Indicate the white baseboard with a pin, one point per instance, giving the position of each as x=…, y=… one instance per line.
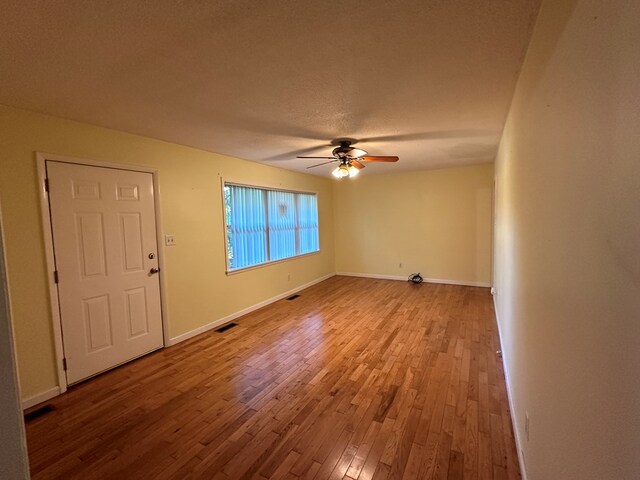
x=372, y=275
x=41, y=397
x=233, y=316
x=466, y=283
x=523, y=471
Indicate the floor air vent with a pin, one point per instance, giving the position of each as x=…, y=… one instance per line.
x=226, y=327
x=38, y=412
x=293, y=297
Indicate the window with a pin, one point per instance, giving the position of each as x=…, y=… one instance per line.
x=265, y=225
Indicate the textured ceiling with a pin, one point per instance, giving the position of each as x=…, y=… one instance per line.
x=428, y=80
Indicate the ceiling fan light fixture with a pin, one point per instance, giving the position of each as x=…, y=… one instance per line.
x=353, y=171
x=341, y=171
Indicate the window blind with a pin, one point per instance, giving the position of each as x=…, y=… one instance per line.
x=265, y=225
x=307, y=223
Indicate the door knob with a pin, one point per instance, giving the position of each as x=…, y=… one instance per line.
x=154, y=270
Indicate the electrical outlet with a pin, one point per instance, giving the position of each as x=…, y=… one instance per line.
x=526, y=424
x=493, y=291
x=169, y=240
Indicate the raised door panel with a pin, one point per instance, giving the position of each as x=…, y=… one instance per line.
x=91, y=244
x=131, y=241
x=85, y=190
x=128, y=193
x=97, y=323
x=137, y=312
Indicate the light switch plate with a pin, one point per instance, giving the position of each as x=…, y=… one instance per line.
x=169, y=240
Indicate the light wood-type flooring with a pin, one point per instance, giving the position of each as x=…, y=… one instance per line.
x=355, y=379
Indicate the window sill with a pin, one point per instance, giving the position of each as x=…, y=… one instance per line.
x=266, y=264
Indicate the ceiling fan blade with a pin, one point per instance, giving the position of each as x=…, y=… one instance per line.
x=433, y=135
x=356, y=153
x=370, y=158
x=357, y=164
x=334, y=158
x=302, y=151
x=323, y=163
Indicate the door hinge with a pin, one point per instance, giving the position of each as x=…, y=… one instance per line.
x=55, y=276
x=46, y=184
x=64, y=363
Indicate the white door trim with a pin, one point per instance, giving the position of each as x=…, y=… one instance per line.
x=56, y=320
x=14, y=461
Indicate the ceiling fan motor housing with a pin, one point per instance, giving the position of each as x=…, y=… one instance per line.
x=342, y=150
x=346, y=151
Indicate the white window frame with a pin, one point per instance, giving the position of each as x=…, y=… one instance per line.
x=233, y=271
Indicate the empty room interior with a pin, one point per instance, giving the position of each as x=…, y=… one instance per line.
x=320, y=240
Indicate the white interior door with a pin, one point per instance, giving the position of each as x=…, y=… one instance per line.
x=104, y=236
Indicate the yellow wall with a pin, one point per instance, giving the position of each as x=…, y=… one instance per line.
x=198, y=291
x=567, y=243
x=435, y=222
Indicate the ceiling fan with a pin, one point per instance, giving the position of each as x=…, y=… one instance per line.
x=350, y=159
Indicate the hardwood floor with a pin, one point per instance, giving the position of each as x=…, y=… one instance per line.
x=355, y=379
